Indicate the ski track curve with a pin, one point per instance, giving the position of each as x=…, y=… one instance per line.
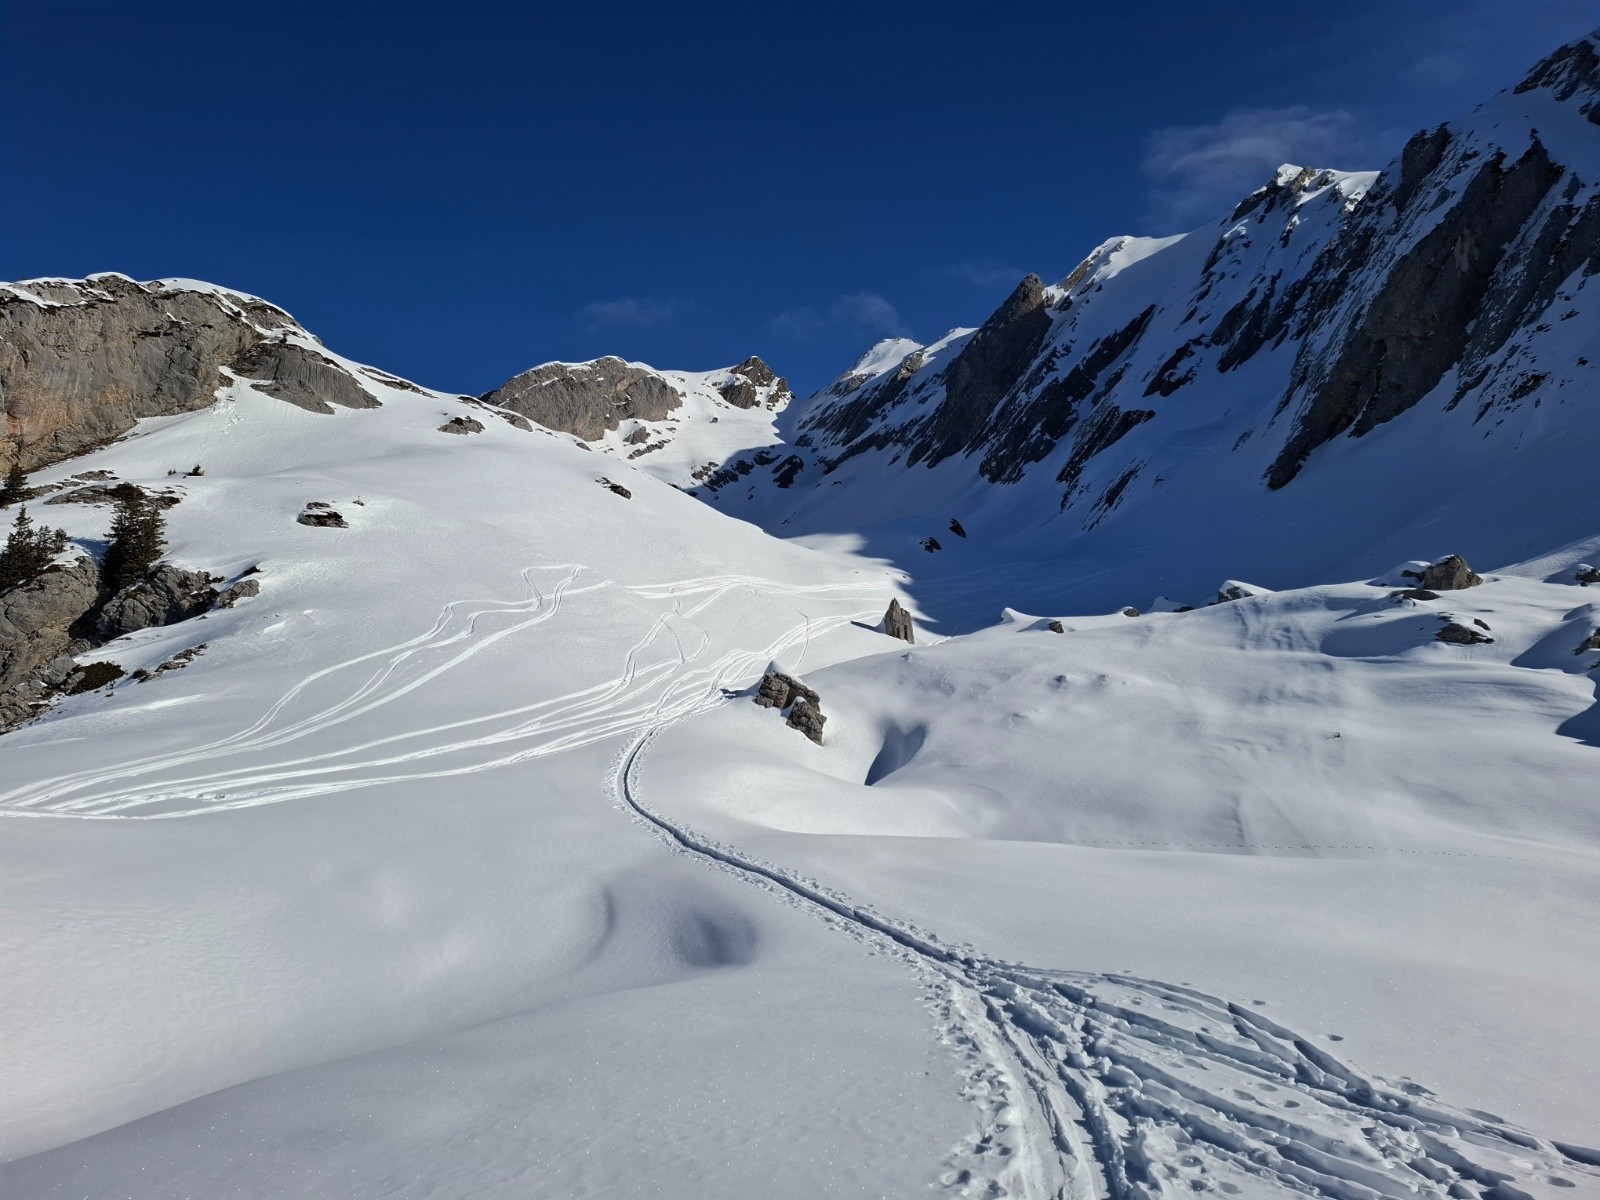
x=1104, y=1085
x=1085, y=1085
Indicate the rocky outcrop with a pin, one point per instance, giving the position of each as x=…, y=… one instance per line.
x=81, y=361
x=462, y=425
x=244, y=589
x=750, y=382
x=304, y=378
x=1585, y=574
x=38, y=638
x=1592, y=642
x=806, y=716
x=897, y=622
x=587, y=400
x=781, y=692
x=1449, y=574
x=166, y=596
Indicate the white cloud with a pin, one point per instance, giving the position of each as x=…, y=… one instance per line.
x=639, y=312
x=861, y=313
x=1198, y=172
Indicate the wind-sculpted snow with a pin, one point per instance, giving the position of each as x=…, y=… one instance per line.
x=1108, y=1085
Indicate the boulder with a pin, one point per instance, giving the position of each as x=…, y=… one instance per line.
x=957, y=528
x=779, y=691
x=1413, y=594
x=1130, y=611
x=244, y=589
x=1592, y=642
x=1449, y=574
x=1056, y=626
x=166, y=596
x=897, y=622
x=1462, y=635
x=462, y=425
x=320, y=516
x=805, y=716
x=1584, y=574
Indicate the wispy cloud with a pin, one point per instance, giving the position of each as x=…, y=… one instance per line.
x=991, y=274
x=638, y=312
x=855, y=315
x=1199, y=171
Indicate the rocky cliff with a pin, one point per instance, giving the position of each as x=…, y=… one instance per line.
x=1428, y=321
x=82, y=360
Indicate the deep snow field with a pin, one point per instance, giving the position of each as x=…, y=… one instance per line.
x=459, y=863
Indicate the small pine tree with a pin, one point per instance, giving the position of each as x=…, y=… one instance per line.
x=16, y=486
x=28, y=551
x=138, y=537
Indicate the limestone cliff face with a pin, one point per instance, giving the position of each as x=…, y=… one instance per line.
x=81, y=361
x=587, y=399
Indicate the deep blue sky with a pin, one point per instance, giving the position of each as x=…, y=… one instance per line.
x=456, y=191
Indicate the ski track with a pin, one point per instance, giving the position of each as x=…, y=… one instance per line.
x=1085, y=1085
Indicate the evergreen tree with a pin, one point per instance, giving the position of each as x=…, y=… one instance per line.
x=16, y=486
x=138, y=536
x=28, y=551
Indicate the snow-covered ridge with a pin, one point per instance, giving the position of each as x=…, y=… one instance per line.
x=1175, y=404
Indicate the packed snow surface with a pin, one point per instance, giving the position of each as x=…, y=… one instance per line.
x=458, y=863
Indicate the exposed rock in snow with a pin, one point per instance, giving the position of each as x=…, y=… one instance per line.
x=321, y=515
x=897, y=622
x=462, y=425
x=1449, y=574
x=36, y=634
x=244, y=589
x=167, y=595
x=806, y=716
x=587, y=399
x=1462, y=635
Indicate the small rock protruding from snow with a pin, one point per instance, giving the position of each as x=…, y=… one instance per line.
x=614, y=487
x=462, y=425
x=1448, y=574
x=1458, y=634
x=319, y=514
x=956, y=528
x=931, y=545
x=1130, y=611
x=1592, y=642
x=1056, y=626
x=897, y=622
x=1236, y=589
x=1413, y=594
x=1585, y=574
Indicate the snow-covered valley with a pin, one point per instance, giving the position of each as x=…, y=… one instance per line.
x=1234, y=841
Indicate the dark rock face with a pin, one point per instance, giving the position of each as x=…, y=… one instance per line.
x=615, y=489
x=897, y=622
x=1056, y=626
x=1462, y=635
x=1592, y=642
x=166, y=596
x=1585, y=574
x=1417, y=325
x=37, y=641
x=957, y=528
x=462, y=425
x=1450, y=574
x=78, y=370
x=1130, y=611
x=986, y=370
x=587, y=400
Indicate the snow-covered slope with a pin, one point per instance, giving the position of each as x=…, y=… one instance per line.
x=1274, y=395
x=458, y=862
